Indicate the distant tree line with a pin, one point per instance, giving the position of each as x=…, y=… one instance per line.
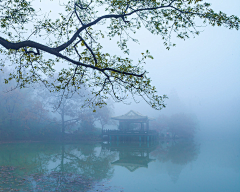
x=176, y=126
x=35, y=114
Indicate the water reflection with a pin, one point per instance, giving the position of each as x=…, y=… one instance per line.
x=177, y=151
x=53, y=167
x=176, y=154
x=84, y=167
x=132, y=155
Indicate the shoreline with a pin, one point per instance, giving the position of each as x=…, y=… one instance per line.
x=19, y=141
x=52, y=141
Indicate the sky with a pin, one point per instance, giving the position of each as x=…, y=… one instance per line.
x=199, y=75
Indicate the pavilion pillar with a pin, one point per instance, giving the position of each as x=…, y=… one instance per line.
x=120, y=125
x=147, y=124
x=127, y=126
x=142, y=127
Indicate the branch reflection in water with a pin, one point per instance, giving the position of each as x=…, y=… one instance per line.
x=54, y=167
x=85, y=167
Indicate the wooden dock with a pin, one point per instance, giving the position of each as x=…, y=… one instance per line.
x=130, y=135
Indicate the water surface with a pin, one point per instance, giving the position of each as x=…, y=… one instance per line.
x=182, y=165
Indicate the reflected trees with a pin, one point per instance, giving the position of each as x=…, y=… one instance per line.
x=176, y=154
x=183, y=152
x=54, y=167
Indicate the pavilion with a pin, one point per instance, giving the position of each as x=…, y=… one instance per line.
x=132, y=117
x=128, y=129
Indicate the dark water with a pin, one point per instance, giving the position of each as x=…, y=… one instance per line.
x=182, y=165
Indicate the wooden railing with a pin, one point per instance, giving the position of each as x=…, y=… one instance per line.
x=128, y=132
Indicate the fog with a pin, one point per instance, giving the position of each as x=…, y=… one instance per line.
x=199, y=75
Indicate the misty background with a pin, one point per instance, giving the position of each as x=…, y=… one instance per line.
x=200, y=76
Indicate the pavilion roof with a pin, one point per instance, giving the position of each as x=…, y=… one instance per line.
x=131, y=115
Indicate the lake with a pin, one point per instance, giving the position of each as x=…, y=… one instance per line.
x=168, y=166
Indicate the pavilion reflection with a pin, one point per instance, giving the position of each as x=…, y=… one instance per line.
x=132, y=156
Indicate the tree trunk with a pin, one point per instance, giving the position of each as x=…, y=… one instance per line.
x=62, y=158
x=63, y=124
